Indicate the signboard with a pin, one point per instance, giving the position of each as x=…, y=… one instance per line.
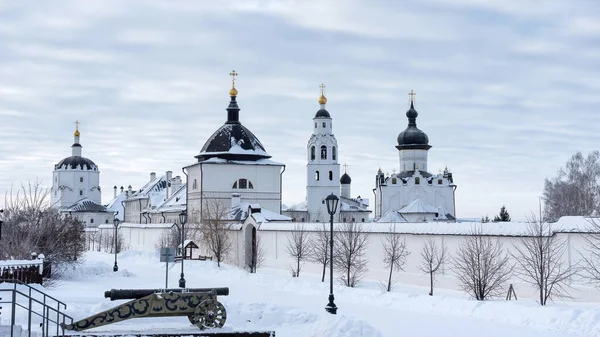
x=167, y=255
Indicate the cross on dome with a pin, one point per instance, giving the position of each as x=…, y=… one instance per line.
x=76, y=133
x=322, y=99
x=411, y=95
x=233, y=91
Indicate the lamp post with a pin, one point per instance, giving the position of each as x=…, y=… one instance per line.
x=182, y=220
x=116, y=222
x=332, y=203
x=1, y=222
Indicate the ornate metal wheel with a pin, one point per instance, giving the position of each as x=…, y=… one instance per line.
x=209, y=314
x=192, y=320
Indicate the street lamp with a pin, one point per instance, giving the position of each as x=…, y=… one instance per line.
x=1, y=222
x=116, y=222
x=182, y=220
x=332, y=203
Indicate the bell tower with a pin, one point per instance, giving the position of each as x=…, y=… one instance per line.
x=322, y=168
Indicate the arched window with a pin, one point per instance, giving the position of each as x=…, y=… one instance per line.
x=317, y=175
x=363, y=219
x=80, y=179
x=80, y=192
x=330, y=175
x=302, y=219
x=333, y=153
x=324, y=124
x=323, y=152
x=394, y=181
x=106, y=221
x=91, y=220
x=234, y=184
x=195, y=184
x=315, y=125
x=353, y=220
x=243, y=184
x=417, y=180
x=312, y=153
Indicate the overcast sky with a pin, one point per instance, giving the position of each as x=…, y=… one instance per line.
x=506, y=90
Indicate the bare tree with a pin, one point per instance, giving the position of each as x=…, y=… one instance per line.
x=31, y=225
x=298, y=247
x=540, y=261
x=432, y=258
x=482, y=266
x=215, y=229
x=320, y=249
x=590, y=254
x=394, y=254
x=576, y=188
x=170, y=238
x=349, y=256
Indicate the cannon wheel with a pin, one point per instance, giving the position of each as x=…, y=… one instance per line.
x=209, y=314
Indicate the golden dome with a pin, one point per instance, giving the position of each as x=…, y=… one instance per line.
x=322, y=99
x=76, y=133
x=233, y=91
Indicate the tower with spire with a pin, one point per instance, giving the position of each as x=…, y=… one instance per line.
x=322, y=168
x=413, y=194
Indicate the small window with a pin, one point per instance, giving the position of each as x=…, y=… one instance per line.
x=302, y=219
x=250, y=185
x=324, y=124
x=333, y=153
x=106, y=221
x=312, y=153
x=330, y=175
x=195, y=184
x=344, y=219
x=80, y=179
x=80, y=192
x=439, y=181
x=317, y=175
x=315, y=125
x=394, y=181
x=323, y=152
x=353, y=220
x=417, y=180
x=243, y=184
x=363, y=219
x=234, y=184
x=91, y=220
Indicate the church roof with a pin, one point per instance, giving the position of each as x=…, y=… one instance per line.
x=233, y=141
x=322, y=113
x=76, y=163
x=418, y=206
x=85, y=205
x=412, y=137
x=345, y=179
x=241, y=211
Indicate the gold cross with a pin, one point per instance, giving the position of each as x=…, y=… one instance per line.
x=322, y=87
x=233, y=74
x=411, y=94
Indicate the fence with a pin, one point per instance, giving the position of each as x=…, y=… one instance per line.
x=26, y=271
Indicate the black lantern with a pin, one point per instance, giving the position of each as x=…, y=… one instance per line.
x=332, y=204
x=116, y=222
x=182, y=220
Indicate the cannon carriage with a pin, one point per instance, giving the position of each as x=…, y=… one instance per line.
x=200, y=306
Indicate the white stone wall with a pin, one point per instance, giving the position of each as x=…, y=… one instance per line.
x=90, y=219
x=67, y=187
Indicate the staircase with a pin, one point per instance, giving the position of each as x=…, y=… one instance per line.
x=43, y=312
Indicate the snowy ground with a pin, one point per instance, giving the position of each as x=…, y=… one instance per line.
x=294, y=307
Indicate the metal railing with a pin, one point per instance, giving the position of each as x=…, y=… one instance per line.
x=50, y=307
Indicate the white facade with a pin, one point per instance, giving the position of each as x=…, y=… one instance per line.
x=75, y=178
x=322, y=168
x=413, y=182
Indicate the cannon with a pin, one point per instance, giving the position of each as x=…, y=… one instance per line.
x=199, y=305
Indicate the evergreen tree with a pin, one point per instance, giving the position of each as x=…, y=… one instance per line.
x=503, y=216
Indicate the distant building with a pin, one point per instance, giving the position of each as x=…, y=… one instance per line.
x=413, y=194
x=76, y=187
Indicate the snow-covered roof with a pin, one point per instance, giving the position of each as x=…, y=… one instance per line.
x=575, y=224
x=418, y=206
x=300, y=207
x=216, y=160
x=353, y=205
x=85, y=205
x=189, y=243
x=175, y=202
x=115, y=205
x=241, y=211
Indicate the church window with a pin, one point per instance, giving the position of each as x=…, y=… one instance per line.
x=363, y=219
x=106, y=221
x=323, y=152
x=315, y=125
x=302, y=219
x=324, y=124
x=195, y=184
x=312, y=153
x=91, y=220
x=344, y=219
x=317, y=175
x=234, y=184
x=353, y=220
x=80, y=192
x=417, y=180
x=250, y=185
x=394, y=181
x=243, y=183
x=80, y=179
x=330, y=175
x=333, y=153
x=439, y=181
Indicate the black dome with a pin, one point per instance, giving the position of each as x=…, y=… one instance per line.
x=77, y=162
x=345, y=179
x=322, y=113
x=412, y=137
x=233, y=141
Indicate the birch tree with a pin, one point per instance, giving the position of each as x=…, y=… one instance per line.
x=349, y=256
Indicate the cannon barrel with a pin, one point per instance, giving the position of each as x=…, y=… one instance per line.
x=129, y=294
